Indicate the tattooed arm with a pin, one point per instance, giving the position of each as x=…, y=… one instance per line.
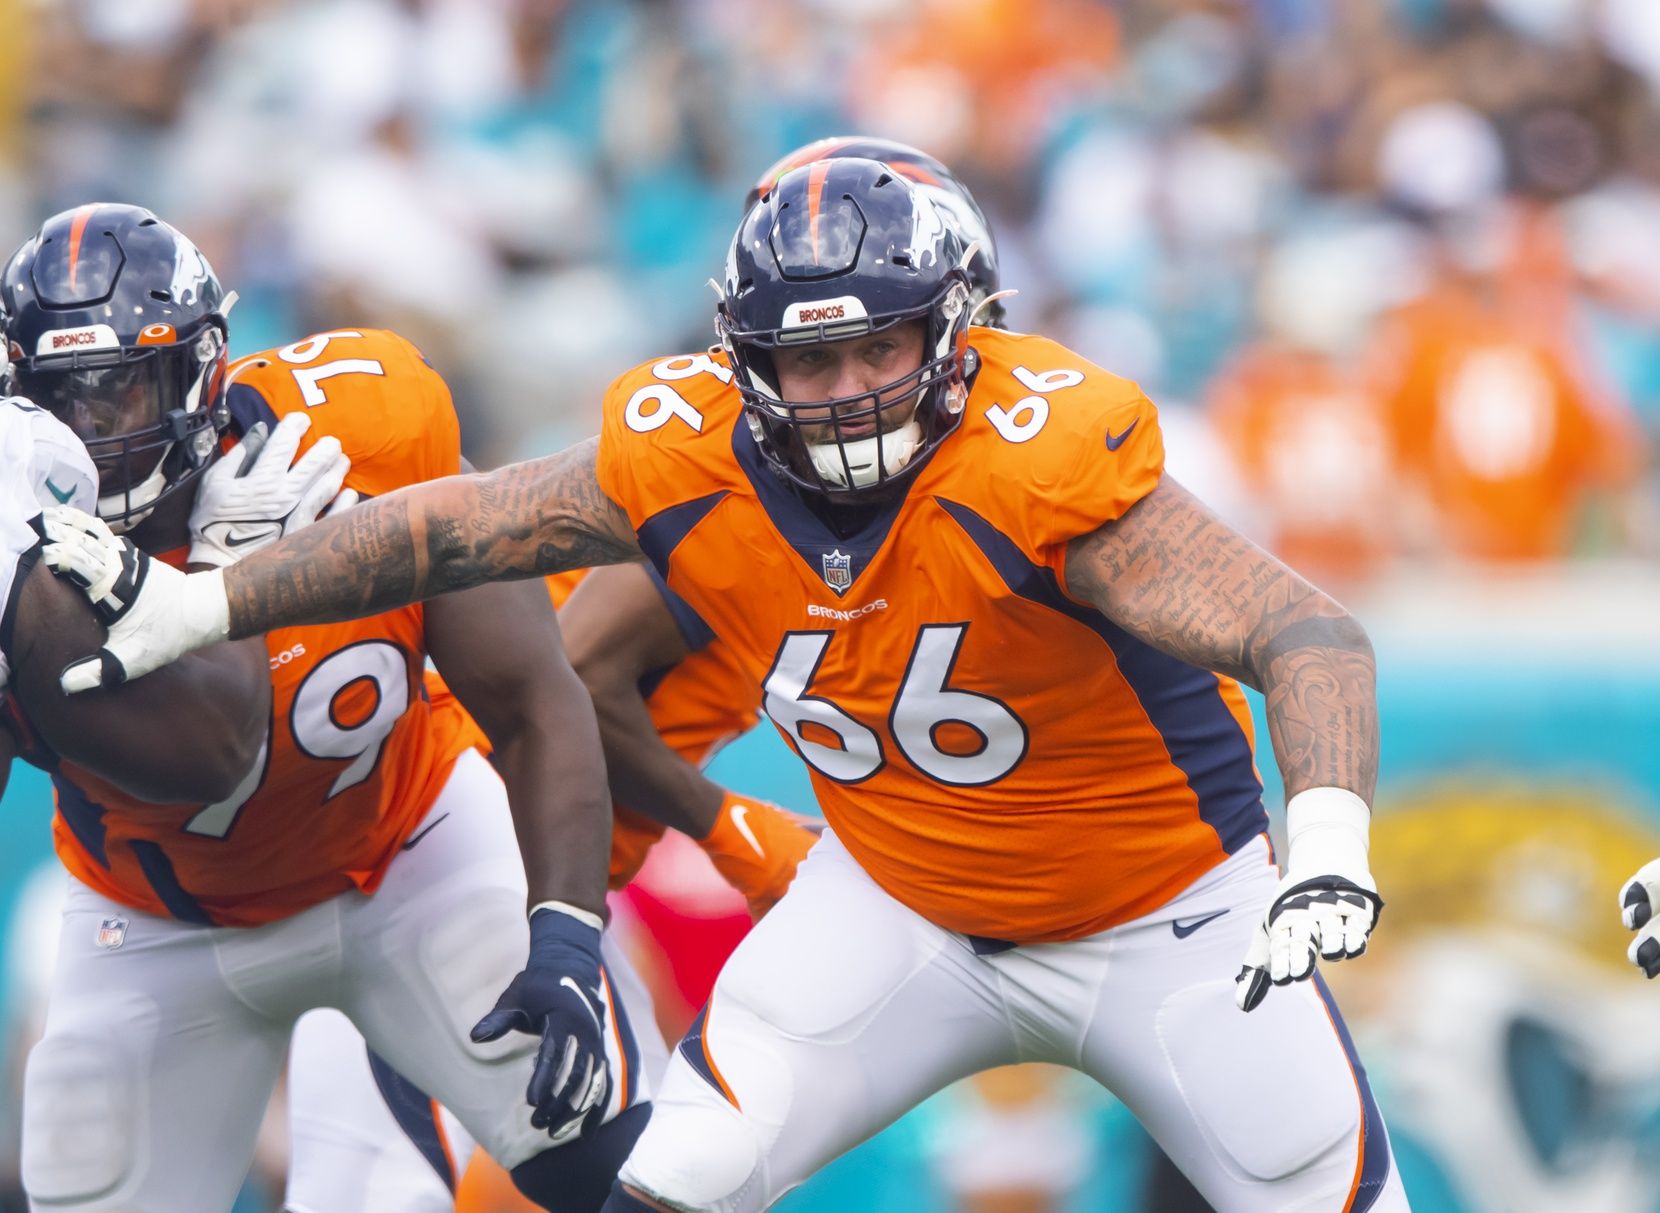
x=1172, y=574
x=524, y=520
x=1175, y=576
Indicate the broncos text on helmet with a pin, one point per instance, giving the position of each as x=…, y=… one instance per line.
x=115, y=323
x=842, y=249
x=931, y=177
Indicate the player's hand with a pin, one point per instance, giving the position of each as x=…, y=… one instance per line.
x=1327, y=902
x=756, y=847
x=82, y=549
x=259, y=492
x=1638, y=901
x=558, y=998
x=154, y=613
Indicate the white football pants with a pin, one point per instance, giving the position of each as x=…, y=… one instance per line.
x=147, y=1090
x=843, y=1009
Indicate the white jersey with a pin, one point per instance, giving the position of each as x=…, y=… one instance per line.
x=43, y=463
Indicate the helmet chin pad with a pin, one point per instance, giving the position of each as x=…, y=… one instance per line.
x=124, y=510
x=866, y=460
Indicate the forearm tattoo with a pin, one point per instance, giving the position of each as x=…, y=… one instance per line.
x=1175, y=576
x=524, y=520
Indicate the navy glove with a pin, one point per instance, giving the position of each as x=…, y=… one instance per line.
x=558, y=996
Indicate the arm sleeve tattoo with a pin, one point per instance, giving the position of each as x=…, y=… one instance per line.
x=1175, y=576
x=524, y=520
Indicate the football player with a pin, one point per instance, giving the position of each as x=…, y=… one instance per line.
x=1009, y=648
x=224, y=691
x=622, y=637
x=367, y=859
x=669, y=695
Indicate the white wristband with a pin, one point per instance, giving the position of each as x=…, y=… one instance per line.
x=1329, y=831
x=206, y=608
x=564, y=907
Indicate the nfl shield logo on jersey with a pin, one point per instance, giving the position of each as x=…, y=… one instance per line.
x=838, y=571
x=112, y=933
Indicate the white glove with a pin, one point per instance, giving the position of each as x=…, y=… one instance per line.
x=155, y=614
x=1638, y=901
x=258, y=492
x=1327, y=902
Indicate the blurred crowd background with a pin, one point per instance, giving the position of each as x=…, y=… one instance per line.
x=1391, y=269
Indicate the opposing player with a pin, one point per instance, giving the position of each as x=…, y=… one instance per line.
x=196, y=933
x=988, y=623
x=41, y=625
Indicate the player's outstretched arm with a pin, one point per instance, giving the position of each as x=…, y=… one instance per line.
x=498, y=648
x=618, y=629
x=187, y=736
x=1177, y=577
x=523, y=520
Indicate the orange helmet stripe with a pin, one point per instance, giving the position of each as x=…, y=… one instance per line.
x=816, y=177
x=77, y=226
x=817, y=150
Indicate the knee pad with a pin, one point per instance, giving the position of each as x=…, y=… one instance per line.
x=576, y=1177
x=698, y=1156
x=1273, y=1091
x=80, y=1120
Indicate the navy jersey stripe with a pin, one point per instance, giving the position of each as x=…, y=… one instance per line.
x=83, y=816
x=248, y=408
x=1183, y=702
x=696, y=633
x=802, y=528
x=158, y=870
x=660, y=534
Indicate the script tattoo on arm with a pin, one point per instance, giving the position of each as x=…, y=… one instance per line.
x=524, y=520
x=1175, y=576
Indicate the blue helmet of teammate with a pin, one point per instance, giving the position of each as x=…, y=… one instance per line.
x=841, y=249
x=115, y=323
x=934, y=180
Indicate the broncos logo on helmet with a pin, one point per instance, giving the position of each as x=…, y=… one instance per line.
x=115, y=323
x=836, y=250
x=930, y=177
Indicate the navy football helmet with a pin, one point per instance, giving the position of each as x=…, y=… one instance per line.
x=841, y=249
x=115, y=323
x=930, y=177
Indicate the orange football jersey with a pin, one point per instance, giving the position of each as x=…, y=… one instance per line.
x=354, y=754
x=698, y=705
x=997, y=755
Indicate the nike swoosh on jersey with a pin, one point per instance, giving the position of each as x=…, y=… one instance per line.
x=1183, y=929
x=739, y=812
x=63, y=495
x=1114, y=441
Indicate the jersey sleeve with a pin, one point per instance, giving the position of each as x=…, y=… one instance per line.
x=665, y=435
x=1120, y=458
x=372, y=390
x=1063, y=445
